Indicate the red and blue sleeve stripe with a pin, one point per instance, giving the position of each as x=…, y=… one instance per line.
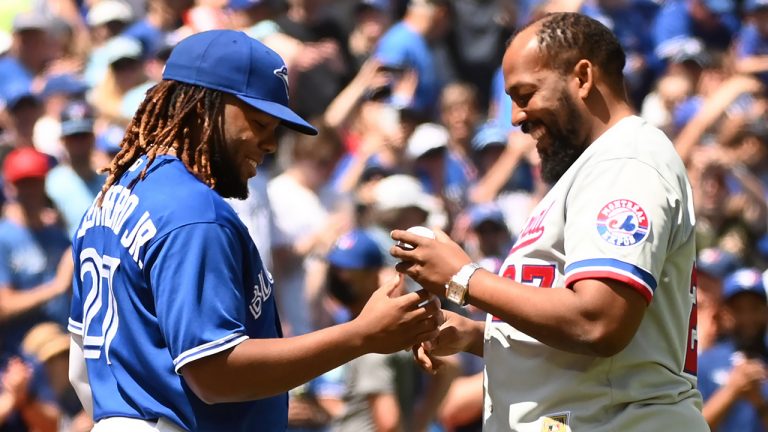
x=609, y=268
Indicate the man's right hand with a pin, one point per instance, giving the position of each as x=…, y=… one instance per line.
x=390, y=323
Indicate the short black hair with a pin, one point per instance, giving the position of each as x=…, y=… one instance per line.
x=566, y=37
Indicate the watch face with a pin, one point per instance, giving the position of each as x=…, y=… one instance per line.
x=455, y=293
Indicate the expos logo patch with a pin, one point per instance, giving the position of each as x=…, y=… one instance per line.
x=622, y=223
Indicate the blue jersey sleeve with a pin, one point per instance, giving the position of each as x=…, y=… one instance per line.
x=197, y=280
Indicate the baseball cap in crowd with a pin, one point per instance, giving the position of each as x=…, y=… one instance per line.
x=487, y=212
x=66, y=84
x=121, y=47
x=244, y=4
x=45, y=341
x=77, y=117
x=24, y=163
x=232, y=62
x=426, y=138
x=401, y=191
x=21, y=97
x=745, y=280
x=380, y=5
x=110, y=138
x=374, y=168
x=30, y=21
x=719, y=7
x=106, y=11
x=491, y=133
x=355, y=250
x=716, y=262
x=680, y=49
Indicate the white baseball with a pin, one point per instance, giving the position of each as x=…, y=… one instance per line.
x=418, y=230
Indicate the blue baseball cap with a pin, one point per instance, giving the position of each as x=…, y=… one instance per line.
x=487, y=212
x=243, y=4
x=77, y=117
x=380, y=5
x=66, y=84
x=232, y=62
x=720, y=7
x=490, y=133
x=746, y=280
x=21, y=97
x=375, y=168
x=716, y=262
x=355, y=250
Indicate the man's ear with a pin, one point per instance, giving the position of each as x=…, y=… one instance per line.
x=584, y=72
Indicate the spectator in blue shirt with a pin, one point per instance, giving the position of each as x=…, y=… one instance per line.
x=30, y=53
x=35, y=262
x=406, y=45
x=74, y=184
x=752, y=42
x=713, y=22
x=733, y=378
x=439, y=170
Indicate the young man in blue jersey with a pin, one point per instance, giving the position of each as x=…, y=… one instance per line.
x=733, y=374
x=173, y=317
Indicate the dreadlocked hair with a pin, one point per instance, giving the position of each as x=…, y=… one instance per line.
x=170, y=120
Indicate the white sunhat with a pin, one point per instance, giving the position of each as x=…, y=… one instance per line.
x=401, y=191
x=426, y=137
x=109, y=10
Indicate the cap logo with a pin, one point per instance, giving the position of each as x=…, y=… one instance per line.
x=346, y=242
x=77, y=111
x=282, y=73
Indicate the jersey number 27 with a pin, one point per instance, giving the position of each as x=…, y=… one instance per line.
x=100, y=319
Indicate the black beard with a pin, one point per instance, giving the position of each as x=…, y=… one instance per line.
x=565, y=150
x=228, y=182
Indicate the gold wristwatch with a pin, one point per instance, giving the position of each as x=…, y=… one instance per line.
x=456, y=288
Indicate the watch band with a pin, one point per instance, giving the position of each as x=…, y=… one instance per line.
x=466, y=272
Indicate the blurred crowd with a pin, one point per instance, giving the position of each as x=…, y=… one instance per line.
x=415, y=129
